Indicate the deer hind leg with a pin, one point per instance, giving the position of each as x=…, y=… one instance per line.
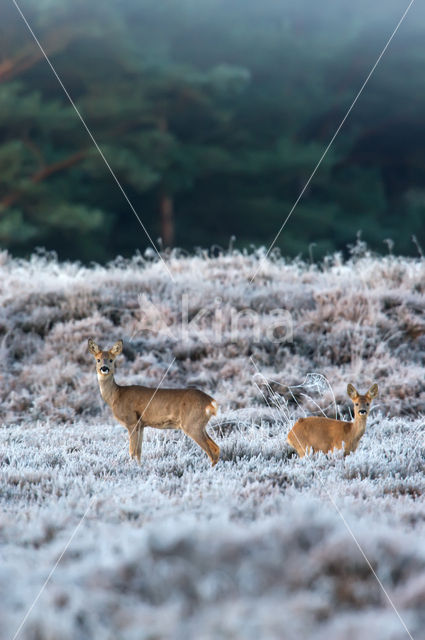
x=213, y=447
x=199, y=434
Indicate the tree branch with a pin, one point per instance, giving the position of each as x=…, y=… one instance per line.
x=54, y=43
x=48, y=170
x=44, y=173
x=65, y=163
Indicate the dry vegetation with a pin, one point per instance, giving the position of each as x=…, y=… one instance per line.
x=256, y=547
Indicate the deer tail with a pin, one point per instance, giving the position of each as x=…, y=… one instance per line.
x=212, y=408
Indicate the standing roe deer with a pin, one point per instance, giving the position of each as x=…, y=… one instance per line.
x=324, y=434
x=137, y=407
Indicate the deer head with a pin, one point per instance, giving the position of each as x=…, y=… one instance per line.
x=362, y=403
x=105, y=360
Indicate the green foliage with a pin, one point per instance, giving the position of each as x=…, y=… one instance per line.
x=223, y=107
x=14, y=229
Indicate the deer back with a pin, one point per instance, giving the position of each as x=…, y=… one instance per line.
x=162, y=408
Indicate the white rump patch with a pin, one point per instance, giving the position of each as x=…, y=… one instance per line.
x=212, y=408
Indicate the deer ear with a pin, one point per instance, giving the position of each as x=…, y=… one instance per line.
x=352, y=391
x=373, y=391
x=93, y=348
x=116, y=349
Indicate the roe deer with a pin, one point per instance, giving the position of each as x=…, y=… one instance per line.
x=137, y=407
x=324, y=434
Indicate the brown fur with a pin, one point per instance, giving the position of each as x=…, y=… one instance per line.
x=137, y=407
x=317, y=433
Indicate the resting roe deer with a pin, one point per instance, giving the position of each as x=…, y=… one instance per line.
x=137, y=407
x=324, y=434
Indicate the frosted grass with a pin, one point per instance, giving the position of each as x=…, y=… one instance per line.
x=252, y=548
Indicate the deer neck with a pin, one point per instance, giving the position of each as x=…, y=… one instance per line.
x=359, y=424
x=108, y=388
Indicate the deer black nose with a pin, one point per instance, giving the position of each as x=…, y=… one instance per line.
x=104, y=369
x=362, y=411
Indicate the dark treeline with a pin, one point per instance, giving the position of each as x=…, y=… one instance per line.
x=213, y=115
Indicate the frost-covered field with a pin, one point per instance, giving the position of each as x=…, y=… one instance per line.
x=264, y=544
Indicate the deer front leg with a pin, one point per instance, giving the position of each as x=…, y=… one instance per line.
x=136, y=439
x=139, y=444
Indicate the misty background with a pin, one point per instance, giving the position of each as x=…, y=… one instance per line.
x=213, y=115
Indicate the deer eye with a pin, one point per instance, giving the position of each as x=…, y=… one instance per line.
x=110, y=360
x=98, y=359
